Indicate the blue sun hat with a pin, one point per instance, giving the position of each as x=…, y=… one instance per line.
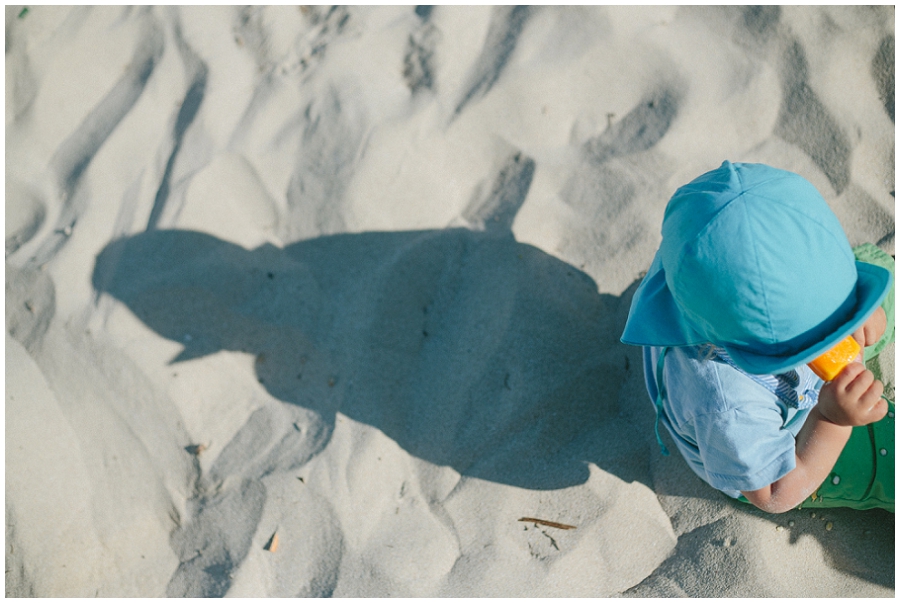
x=753, y=260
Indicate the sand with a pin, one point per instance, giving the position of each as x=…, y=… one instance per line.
x=323, y=301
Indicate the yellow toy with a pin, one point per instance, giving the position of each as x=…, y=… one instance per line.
x=831, y=363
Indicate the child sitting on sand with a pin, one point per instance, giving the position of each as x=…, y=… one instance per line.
x=755, y=278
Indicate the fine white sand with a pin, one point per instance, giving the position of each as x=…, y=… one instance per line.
x=355, y=278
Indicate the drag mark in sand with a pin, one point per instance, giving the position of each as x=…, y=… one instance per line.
x=76, y=153
x=506, y=26
x=190, y=105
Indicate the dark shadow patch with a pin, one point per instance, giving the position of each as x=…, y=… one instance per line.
x=805, y=122
x=761, y=21
x=418, y=62
x=869, y=217
x=497, y=211
x=468, y=349
x=641, y=129
x=883, y=73
x=424, y=12
x=30, y=304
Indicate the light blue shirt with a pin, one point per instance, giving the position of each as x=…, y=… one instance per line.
x=735, y=430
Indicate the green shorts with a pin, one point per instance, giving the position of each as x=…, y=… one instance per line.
x=863, y=476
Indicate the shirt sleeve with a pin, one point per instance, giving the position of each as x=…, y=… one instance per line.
x=743, y=450
x=743, y=445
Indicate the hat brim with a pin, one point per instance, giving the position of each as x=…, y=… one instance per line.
x=655, y=320
x=872, y=285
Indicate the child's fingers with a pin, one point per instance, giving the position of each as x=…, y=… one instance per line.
x=848, y=375
x=877, y=411
x=864, y=393
x=871, y=397
x=860, y=384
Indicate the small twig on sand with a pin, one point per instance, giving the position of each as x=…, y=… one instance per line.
x=272, y=545
x=196, y=449
x=551, y=524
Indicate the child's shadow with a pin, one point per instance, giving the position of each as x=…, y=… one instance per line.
x=468, y=349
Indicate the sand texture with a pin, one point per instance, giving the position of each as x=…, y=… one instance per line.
x=322, y=301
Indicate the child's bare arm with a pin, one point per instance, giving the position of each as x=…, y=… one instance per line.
x=853, y=398
x=819, y=444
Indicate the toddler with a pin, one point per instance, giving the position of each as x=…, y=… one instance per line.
x=754, y=278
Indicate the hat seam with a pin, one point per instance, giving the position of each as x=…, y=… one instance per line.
x=738, y=167
x=826, y=228
x=694, y=316
x=761, y=280
x=788, y=176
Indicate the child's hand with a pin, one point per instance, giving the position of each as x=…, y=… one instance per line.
x=872, y=329
x=853, y=397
